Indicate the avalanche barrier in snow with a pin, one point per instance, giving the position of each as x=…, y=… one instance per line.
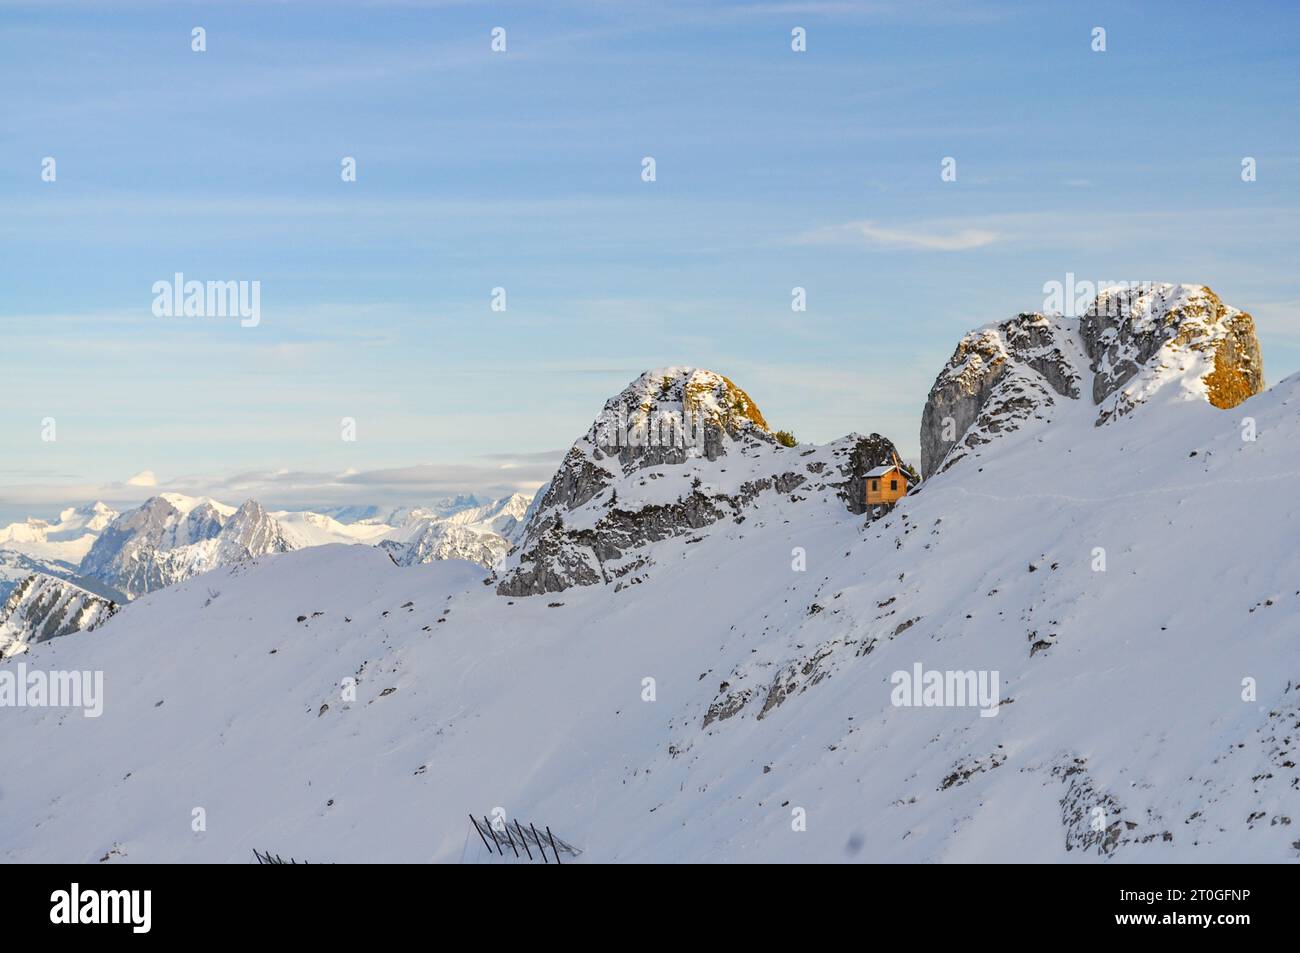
x=520, y=842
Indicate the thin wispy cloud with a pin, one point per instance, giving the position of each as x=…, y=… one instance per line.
x=931, y=238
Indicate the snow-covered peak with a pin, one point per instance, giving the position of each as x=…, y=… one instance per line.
x=73, y=522
x=676, y=451
x=676, y=407
x=185, y=504
x=67, y=540
x=250, y=531
x=92, y=517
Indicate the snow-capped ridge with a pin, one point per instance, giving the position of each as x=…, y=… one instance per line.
x=68, y=539
x=42, y=607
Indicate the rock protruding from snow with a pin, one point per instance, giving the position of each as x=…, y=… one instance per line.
x=42, y=608
x=997, y=377
x=678, y=450
x=1141, y=340
x=1130, y=344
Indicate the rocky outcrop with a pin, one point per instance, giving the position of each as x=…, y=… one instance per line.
x=1129, y=345
x=42, y=608
x=678, y=451
x=998, y=377
x=1140, y=340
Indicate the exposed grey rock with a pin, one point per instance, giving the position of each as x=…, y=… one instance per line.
x=997, y=377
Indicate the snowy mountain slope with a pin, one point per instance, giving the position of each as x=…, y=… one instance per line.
x=304, y=528
x=42, y=607
x=1176, y=342
x=772, y=643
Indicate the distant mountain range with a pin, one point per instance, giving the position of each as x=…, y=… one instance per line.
x=95, y=552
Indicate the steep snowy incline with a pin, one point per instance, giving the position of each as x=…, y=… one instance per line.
x=1131, y=586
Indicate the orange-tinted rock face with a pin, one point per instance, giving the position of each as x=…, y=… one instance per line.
x=1238, y=365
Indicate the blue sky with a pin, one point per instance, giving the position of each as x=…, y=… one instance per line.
x=522, y=169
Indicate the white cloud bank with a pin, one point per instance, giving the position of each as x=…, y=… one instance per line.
x=410, y=485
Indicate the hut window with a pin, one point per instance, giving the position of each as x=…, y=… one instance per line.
x=875, y=484
x=893, y=484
